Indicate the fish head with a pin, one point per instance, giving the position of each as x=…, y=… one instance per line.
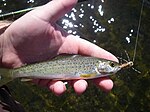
x=107, y=67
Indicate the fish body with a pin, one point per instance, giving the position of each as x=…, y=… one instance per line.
x=62, y=68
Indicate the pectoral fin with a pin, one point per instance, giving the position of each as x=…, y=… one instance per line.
x=87, y=76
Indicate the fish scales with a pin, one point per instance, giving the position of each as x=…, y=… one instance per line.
x=64, y=66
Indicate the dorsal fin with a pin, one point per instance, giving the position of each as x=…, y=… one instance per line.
x=66, y=56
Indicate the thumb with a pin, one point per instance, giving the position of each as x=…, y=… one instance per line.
x=54, y=10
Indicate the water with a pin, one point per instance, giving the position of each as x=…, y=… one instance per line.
x=113, y=26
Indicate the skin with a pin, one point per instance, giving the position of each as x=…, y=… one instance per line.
x=36, y=37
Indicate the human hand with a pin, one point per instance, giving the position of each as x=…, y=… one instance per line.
x=36, y=37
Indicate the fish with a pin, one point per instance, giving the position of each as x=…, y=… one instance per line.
x=64, y=67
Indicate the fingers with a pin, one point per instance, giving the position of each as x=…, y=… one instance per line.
x=55, y=9
x=74, y=45
x=90, y=49
x=57, y=87
x=104, y=83
x=79, y=86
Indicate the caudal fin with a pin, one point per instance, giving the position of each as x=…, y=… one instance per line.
x=5, y=76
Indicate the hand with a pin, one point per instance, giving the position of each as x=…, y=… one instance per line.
x=36, y=37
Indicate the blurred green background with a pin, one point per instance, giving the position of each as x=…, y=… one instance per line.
x=112, y=25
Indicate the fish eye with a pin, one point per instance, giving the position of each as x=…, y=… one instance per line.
x=112, y=64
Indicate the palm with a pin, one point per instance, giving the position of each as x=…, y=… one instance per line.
x=36, y=38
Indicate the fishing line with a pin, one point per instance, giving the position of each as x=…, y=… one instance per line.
x=138, y=30
x=16, y=12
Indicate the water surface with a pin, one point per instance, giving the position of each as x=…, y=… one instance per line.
x=111, y=25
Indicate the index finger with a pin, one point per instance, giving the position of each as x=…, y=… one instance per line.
x=74, y=45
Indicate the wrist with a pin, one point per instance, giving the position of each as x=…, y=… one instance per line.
x=1, y=48
x=3, y=26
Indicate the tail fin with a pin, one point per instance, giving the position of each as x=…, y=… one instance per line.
x=5, y=76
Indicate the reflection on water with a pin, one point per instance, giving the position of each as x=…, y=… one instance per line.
x=73, y=20
x=111, y=25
